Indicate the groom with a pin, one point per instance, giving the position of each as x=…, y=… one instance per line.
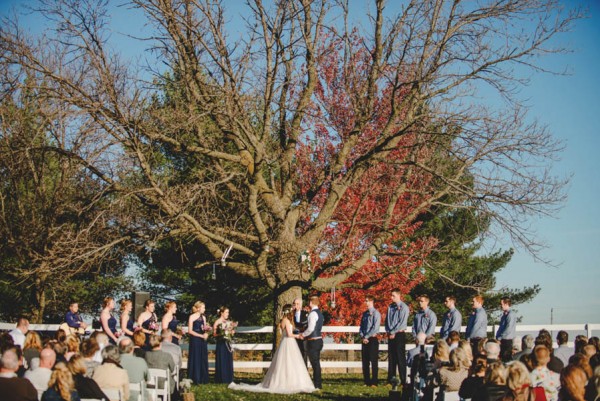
x=314, y=343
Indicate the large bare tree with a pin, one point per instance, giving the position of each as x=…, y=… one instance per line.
x=312, y=143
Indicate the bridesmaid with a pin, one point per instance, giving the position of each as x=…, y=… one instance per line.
x=148, y=321
x=108, y=321
x=126, y=318
x=169, y=321
x=198, y=357
x=224, y=353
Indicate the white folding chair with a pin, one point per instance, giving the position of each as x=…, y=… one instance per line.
x=137, y=388
x=451, y=396
x=112, y=394
x=176, y=377
x=164, y=391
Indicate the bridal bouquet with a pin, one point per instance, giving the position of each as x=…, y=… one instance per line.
x=227, y=330
x=206, y=328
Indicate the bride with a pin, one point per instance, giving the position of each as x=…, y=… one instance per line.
x=287, y=373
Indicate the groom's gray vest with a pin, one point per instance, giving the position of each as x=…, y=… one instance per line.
x=317, y=331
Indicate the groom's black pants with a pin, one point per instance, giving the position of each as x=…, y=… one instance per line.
x=313, y=349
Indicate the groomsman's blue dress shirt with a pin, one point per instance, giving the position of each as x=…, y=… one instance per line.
x=424, y=322
x=451, y=322
x=508, y=326
x=477, y=325
x=397, y=317
x=369, y=323
x=73, y=319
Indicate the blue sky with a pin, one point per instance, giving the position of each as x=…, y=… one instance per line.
x=570, y=106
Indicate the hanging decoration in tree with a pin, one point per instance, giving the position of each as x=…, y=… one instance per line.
x=333, y=297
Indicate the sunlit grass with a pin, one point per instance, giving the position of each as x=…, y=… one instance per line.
x=335, y=387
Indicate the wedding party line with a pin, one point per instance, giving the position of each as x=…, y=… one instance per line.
x=135, y=347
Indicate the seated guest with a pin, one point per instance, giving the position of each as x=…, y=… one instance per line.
x=453, y=340
x=40, y=376
x=18, y=333
x=32, y=347
x=61, y=386
x=580, y=342
x=136, y=367
x=451, y=377
x=89, y=347
x=14, y=388
x=475, y=378
x=21, y=371
x=86, y=387
x=159, y=359
x=168, y=346
x=519, y=384
x=494, y=383
x=466, y=346
x=541, y=376
x=72, y=343
x=139, y=344
x=517, y=346
x=572, y=384
x=563, y=352
x=410, y=355
x=110, y=374
x=545, y=339
x=60, y=348
x=103, y=341
x=527, y=344
x=582, y=362
x=492, y=351
x=441, y=354
x=589, y=350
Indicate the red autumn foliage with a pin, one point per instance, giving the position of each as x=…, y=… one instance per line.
x=360, y=216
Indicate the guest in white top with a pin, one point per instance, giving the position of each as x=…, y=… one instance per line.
x=18, y=334
x=40, y=376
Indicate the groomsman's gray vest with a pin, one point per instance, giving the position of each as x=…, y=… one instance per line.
x=317, y=331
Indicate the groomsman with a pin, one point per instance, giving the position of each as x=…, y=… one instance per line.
x=425, y=319
x=369, y=328
x=452, y=319
x=314, y=344
x=300, y=324
x=506, y=330
x=395, y=327
x=477, y=324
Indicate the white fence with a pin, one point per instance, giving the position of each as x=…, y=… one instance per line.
x=588, y=329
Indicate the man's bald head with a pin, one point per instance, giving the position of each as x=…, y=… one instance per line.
x=47, y=358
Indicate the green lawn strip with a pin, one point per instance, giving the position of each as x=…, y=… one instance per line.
x=346, y=387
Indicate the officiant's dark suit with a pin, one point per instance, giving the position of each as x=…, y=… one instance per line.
x=300, y=324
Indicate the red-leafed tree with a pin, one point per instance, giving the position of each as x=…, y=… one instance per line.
x=312, y=135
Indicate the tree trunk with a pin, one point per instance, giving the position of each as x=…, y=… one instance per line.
x=39, y=293
x=284, y=298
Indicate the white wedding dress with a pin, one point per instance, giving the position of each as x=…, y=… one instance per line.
x=287, y=373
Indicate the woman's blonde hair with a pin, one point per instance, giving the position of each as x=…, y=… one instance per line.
x=496, y=374
x=62, y=381
x=465, y=345
x=518, y=378
x=32, y=340
x=441, y=351
x=72, y=343
x=459, y=359
x=197, y=306
x=77, y=365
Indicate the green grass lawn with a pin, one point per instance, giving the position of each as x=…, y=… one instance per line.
x=335, y=387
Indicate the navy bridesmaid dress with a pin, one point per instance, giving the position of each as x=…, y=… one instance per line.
x=173, y=327
x=198, y=356
x=223, y=361
x=112, y=326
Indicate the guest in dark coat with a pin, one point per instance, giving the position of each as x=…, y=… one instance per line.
x=86, y=387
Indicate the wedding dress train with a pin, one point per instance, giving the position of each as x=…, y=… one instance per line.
x=287, y=373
